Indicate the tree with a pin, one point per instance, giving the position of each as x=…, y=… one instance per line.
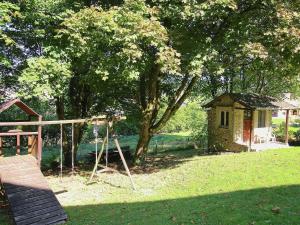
x=256, y=42
x=132, y=38
x=223, y=40
x=44, y=73
x=94, y=41
x=8, y=12
x=142, y=54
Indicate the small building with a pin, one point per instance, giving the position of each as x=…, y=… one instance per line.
x=293, y=114
x=238, y=122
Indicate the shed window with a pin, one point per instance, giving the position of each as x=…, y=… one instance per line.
x=261, y=119
x=224, y=119
x=247, y=115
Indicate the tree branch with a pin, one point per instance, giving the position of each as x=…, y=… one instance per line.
x=142, y=94
x=181, y=95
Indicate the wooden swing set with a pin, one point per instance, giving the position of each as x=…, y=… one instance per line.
x=35, y=138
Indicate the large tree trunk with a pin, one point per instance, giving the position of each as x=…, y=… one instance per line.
x=144, y=139
x=149, y=97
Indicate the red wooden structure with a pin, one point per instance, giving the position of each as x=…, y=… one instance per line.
x=30, y=198
x=34, y=138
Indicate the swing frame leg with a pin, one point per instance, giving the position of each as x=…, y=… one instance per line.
x=61, y=152
x=98, y=160
x=124, y=162
x=105, y=142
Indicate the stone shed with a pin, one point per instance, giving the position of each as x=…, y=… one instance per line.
x=238, y=121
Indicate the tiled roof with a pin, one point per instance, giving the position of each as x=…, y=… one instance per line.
x=255, y=101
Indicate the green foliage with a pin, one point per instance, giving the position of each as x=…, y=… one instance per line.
x=45, y=78
x=256, y=42
x=190, y=117
x=126, y=36
x=136, y=56
x=280, y=132
x=297, y=135
x=8, y=11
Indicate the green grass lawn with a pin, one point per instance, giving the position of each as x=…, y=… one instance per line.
x=182, y=187
x=278, y=121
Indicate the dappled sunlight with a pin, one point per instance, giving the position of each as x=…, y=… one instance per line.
x=202, y=175
x=258, y=206
x=218, y=189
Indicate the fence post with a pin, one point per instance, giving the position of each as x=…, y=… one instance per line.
x=18, y=144
x=1, y=146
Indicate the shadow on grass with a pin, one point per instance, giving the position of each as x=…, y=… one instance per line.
x=166, y=160
x=154, y=163
x=277, y=206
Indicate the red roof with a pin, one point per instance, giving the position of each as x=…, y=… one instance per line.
x=20, y=104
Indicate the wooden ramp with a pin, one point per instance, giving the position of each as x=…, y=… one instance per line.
x=29, y=196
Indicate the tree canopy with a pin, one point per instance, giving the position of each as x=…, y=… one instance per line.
x=136, y=56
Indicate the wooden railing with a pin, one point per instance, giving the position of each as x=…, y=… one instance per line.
x=32, y=141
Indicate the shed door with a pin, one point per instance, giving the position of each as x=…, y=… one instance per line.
x=247, y=125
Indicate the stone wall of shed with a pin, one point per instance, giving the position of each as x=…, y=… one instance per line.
x=222, y=138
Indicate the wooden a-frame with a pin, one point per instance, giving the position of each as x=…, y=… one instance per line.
x=105, y=168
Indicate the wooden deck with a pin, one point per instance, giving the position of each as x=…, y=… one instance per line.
x=30, y=199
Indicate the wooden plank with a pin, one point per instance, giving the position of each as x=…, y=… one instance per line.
x=5, y=134
x=30, y=198
x=32, y=145
x=14, y=188
x=21, y=171
x=100, y=120
x=17, y=176
x=30, y=206
x=17, y=159
x=39, y=143
x=14, y=198
x=18, y=144
x=19, y=191
x=21, y=176
x=24, y=181
x=36, y=211
x=1, y=146
x=43, y=218
x=23, y=203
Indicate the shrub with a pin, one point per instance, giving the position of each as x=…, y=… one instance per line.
x=280, y=132
x=297, y=135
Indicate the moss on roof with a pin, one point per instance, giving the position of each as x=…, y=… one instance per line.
x=254, y=101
